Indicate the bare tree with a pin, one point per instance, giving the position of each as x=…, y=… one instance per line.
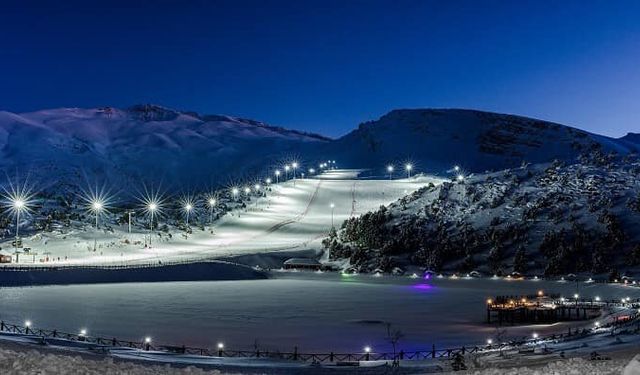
x=500, y=335
x=393, y=337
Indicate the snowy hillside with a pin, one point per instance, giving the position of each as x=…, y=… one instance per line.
x=189, y=151
x=547, y=218
x=435, y=139
x=292, y=215
x=148, y=143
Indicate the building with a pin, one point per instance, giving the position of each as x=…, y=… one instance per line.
x=5, y=257
x=302, y=264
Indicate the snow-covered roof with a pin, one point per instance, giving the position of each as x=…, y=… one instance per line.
x=5, y=253
x=302, y=261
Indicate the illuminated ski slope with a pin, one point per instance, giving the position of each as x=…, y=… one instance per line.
x=295, y=215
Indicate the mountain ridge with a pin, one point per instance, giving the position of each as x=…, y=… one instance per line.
x=148, y=141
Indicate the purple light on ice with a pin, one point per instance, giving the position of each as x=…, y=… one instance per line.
x=422, y=287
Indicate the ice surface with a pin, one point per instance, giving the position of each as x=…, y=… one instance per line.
x=316, y=312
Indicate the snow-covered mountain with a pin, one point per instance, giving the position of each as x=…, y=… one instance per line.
x=436, y=139
x=190, y=151
x=142, y=143
x=551, y=218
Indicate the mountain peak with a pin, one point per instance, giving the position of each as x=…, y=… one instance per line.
x=152, y=112
x=631, y=137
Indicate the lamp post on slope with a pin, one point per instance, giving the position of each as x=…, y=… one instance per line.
x=408, y=168
x=333, y=206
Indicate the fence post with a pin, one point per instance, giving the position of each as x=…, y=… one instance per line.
x=331, y=357
x=295, y=353
x=54, y=333
x=2, y=325
x=401, y=354
x=433, y=351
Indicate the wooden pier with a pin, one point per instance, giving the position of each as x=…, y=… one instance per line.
x=540, y=310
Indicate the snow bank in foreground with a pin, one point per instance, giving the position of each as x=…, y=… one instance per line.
x=34, y=362
x=574, y=366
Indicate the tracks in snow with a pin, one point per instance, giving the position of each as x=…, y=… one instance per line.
x=298, y=217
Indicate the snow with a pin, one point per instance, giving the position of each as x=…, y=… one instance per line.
x=296, y=215
x=573, y=366
x=20, y=361
x=143, y=143
x=436, y=139
x=522, y=208
x=189, y=151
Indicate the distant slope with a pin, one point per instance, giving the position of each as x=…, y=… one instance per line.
x=436, y=139
x=142, y=143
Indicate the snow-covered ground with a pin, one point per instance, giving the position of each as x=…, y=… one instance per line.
x=573, y=366
x=18, y=360
x=295, y=215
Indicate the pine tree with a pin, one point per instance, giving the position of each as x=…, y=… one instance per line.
x=495, y=258
x=520, y=261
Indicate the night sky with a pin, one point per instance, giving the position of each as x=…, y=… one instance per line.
x=326, y=66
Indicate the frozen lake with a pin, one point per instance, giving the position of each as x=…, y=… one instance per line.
x=316, y=312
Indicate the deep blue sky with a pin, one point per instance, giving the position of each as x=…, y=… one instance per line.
x=326, y=66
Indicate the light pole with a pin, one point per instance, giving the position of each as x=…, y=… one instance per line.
x=333, y=206
x=286, y=171
x=152, y=207
x=187, y=209
x=257, y=187
x=408, y=168
x=212, y=204
x=19, y=205
x=234, y=193
x=277, y=175
x=390, y=170
x=130, y=213
x=96, y=206
x=294, y=166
